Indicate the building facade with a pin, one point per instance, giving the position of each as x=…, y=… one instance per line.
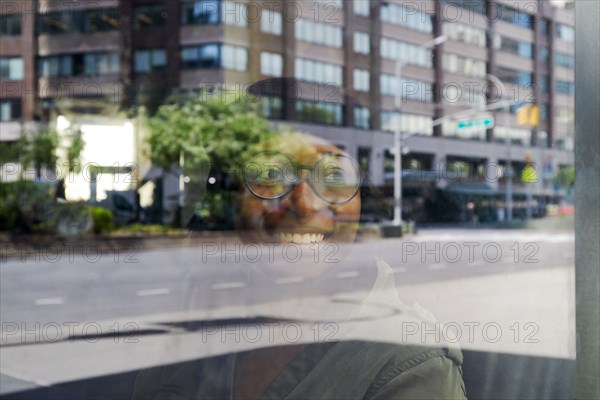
x=333, y=69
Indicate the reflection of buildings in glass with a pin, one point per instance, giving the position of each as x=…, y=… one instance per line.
x=336, y=54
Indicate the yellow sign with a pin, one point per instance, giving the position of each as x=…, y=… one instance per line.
x=529, y=175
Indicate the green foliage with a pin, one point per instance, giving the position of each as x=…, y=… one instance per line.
x=148, y=229
x=205, y=130
x=26, y=206
x=74, y=151
x=206, y=133
x=42, y=149
x=13, y=151
x=103, y=220
x=565, y=177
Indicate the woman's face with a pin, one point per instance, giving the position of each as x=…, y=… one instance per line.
x=310, y=205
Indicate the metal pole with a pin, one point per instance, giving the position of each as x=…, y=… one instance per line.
x=509, y=169
x=509, y=177
x=397, y=134
x=398, y=149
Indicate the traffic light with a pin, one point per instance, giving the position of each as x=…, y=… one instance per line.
x=534, y=115
x=523, y=114
x=528, y=115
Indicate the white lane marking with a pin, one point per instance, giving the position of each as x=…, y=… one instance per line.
x=435, y=267
x=293, y=279
x=152, y=292
x=399, y=270
x=227, y=285
x=348, y=274
x=49, y=301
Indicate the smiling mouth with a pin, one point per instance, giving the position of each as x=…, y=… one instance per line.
x=299, y=238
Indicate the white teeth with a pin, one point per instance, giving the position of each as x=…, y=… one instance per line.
x=306, y=238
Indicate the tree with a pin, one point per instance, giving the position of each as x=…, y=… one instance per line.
x=565, y=177
x=194, y=134
x=74, y=151
x=42, y=151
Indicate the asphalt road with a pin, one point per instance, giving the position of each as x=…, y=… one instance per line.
x=521, y=282
x=86, y=286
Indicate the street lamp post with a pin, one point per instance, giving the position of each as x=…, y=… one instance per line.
x=509, y=177
x=398, y=134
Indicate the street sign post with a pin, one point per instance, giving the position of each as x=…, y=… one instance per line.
x=477, y=121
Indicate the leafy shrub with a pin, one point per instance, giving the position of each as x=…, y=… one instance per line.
x=26, y=206
x=103, y=220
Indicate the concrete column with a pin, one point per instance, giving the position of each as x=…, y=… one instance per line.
x=587, y=198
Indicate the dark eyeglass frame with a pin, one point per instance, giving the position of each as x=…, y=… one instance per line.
x=310, y=178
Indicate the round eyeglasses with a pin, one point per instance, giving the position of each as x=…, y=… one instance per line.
x=270, y=175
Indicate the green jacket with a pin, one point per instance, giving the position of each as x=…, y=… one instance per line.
x=347, y=369
x=343, y=370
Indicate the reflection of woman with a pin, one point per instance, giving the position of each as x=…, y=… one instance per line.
x=302, y=190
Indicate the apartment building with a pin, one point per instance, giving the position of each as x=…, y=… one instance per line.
x=325, y=67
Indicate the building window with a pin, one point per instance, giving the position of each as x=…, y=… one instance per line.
x=319, y=33
x=516, y=136
x=79, y=21
x=215, y=56
x=514, y=77
x=10, y=110
x=200, y=12
x=565, y=60
x=212, y=12
x=389, y=120
x=149, y=15
x=146, y=60
x=271, y=64
x=57, y=66
x=362, y=43
x=409, y=17
x=320, y=72
x=464, y=33
x=565, y=87
x=464, y=65
x=411, y=89
x=362, y=118
x=271, y=107
x=409, y=123
x=234, y=13
x=101, y=63
x=362, y=7
x=271, y=22
x=471, y=5
x=456, y=95
x=565, y=32
x=544, y=112
x=362, y=80
x=544, y=26
x=544, y=54
x=317, y=112
x=11, y=68
x=10, y=24
x=204, y=56
x=517, y=47
x=408, y=53
x=234, y=57
x=516, y=17
x=83, y=64
x=544, y=83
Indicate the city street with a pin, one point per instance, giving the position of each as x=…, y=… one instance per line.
x=518, y=285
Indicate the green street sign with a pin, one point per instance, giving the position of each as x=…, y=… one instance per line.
x=482, y=121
